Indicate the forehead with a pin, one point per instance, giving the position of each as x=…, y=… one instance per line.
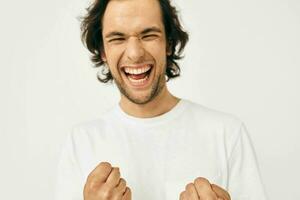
x=131, y=15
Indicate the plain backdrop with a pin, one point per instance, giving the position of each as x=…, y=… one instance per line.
x=243, y=58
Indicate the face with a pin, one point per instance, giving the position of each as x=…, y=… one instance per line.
x=135, y=48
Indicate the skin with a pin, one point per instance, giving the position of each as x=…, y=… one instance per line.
x=134, y=34
x=105, y=183
x=132, y=48
x=201, y=188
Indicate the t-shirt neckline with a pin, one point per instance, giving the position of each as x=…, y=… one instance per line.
x=163, y=118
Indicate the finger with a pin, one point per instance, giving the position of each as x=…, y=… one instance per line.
x=127, y=194
x=204, y=189
x=100, y=173
x=192, y=192
x=183, y=196
x=119, y=190
x=221, y=193
x=121, y=187
x=114, y=177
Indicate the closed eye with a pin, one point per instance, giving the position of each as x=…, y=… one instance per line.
x=150, y=37
x=116, y=40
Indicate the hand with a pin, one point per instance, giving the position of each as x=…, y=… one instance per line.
x=202, y=189
x=105, y=183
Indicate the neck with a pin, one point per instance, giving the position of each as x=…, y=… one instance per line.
x=161, y=104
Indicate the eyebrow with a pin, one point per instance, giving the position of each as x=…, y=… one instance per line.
x=114, y=33
x=151, y=29
x=145, y=31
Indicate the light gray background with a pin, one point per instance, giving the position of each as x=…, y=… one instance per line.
x=242, y=58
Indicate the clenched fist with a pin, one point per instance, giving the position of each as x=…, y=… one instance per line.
x=105, y=183
x=202, y=189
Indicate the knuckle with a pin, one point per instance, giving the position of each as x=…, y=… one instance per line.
x=201, y=181
x=105, y=165
x=128, y=189
x=117, y=170
x=228, y=197
x=123, y=181
x=127, y=192
x=189, y=186
x=91, y=176
x=182, y=194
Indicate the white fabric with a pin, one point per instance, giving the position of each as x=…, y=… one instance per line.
x=159, y=156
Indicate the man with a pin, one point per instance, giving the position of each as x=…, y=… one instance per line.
x=166, y=148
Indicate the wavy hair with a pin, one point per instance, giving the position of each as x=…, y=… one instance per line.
x=91, y=36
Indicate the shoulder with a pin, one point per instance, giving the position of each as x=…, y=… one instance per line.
x=210, y=115
x=213, y=122
x=94, y=127
x=216, y=124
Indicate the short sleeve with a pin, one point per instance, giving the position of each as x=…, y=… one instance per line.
x=68, y=180
x=245, y=181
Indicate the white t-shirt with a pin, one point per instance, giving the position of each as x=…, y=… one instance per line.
x=159, y=156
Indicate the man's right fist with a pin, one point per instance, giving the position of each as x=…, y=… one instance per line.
x=105, y=183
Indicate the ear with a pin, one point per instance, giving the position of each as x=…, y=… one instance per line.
x=169, y=49
x=103, y=56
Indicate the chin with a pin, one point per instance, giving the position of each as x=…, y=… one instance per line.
x=141, y=100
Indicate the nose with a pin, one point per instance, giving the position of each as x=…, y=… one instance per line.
x=135, y=50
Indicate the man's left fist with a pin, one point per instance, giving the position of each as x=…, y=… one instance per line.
x=202, y=189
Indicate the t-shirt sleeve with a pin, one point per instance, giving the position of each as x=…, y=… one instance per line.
x=68, y=180
x=245, y=181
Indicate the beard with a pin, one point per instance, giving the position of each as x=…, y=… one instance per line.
x=156, y=88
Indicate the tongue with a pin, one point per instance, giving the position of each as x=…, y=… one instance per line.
x=137, y=76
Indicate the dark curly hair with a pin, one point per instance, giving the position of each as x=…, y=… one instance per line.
x=91, y=36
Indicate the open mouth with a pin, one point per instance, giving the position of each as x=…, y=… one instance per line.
x=138, y=76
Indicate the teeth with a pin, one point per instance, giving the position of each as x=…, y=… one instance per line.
x=138, y=80
x=141, y=70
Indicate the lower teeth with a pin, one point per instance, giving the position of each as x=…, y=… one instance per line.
x=138, y=80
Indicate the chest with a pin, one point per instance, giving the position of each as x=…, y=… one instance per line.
x=159, y=163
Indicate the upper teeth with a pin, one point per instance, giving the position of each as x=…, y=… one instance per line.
x=141, y=70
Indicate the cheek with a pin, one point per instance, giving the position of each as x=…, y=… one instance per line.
x=158, y=52
x=113, y=58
